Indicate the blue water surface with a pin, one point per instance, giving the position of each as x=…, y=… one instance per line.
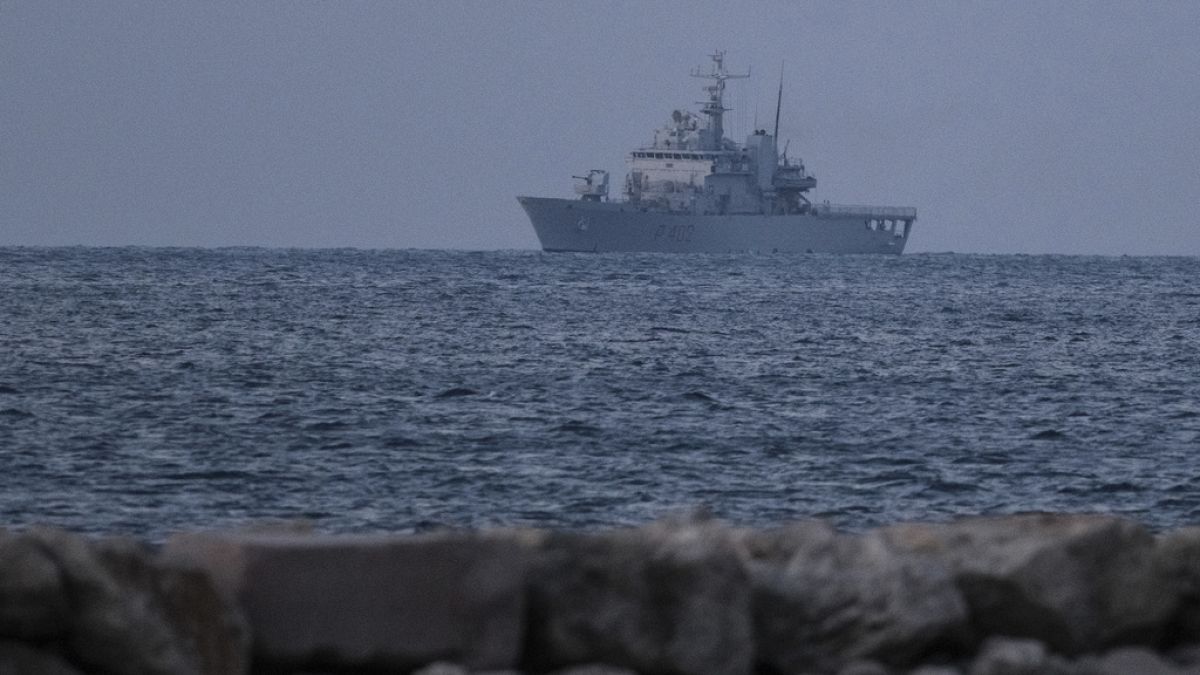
x=147, y=391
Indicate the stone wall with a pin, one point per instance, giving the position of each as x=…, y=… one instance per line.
x=1038, y=593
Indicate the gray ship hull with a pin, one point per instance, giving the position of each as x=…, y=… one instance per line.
x=590, y=226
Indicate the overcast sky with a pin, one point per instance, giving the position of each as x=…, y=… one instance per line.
x=1033, y=127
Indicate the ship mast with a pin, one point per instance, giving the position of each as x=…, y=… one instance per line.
x=778, y=104
x=714, y=106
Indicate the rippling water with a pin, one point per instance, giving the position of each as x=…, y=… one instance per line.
x=152, y=390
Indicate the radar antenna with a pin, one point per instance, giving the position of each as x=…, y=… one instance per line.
x=714, y=106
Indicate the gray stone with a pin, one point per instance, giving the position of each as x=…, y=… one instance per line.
x=1187, y=654
x=21, y=659
x=383, y=602
x=1010, y=656
x=671, y=597
x=119, y=620
x=209, y=623
x=33, y=598
x=780, y=544
x=1178, y=558
x=118, y=623
x=442, y=668
x=594, y=669
x=105, y=606
x=1078, y=583
x=447, y=668
x=1128, y=661
x=935, y=670
x=864, y=667
x=823, y=600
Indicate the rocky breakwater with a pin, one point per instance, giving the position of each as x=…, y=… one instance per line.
x=1038, y=593
x=70, y=604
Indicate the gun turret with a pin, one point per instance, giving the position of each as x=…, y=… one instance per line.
x=594, y=187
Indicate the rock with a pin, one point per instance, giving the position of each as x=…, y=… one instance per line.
x=935, y=670
x=20, y=659
x=1187, y=654
x=676, y=597
x=442, y=668
x=33, y=599
x=115, y=625
x=864, y=667
x=1177, y=555
x=120, y=620
x=101, y=603
x=1078, y=583
x=671, y=597
x=216, y=632
x=594, y=669
x=1129, y=661
x=382, y=602
x=823, y=600
x=447, y=668
x=780, y=544
x=1009, y=656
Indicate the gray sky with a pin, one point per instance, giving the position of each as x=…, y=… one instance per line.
x=1024, y=126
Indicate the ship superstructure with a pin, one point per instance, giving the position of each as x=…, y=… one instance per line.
x=694, y=190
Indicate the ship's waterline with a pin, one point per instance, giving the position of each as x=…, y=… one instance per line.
x=694, y=191
x=576, y=225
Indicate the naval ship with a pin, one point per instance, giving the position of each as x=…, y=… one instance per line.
x=695, y=191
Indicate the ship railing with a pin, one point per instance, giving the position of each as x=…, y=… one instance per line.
x=884, y=212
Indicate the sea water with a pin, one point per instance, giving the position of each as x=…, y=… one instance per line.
x=146, y=391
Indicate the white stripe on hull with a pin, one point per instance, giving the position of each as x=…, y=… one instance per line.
x=578, y=225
